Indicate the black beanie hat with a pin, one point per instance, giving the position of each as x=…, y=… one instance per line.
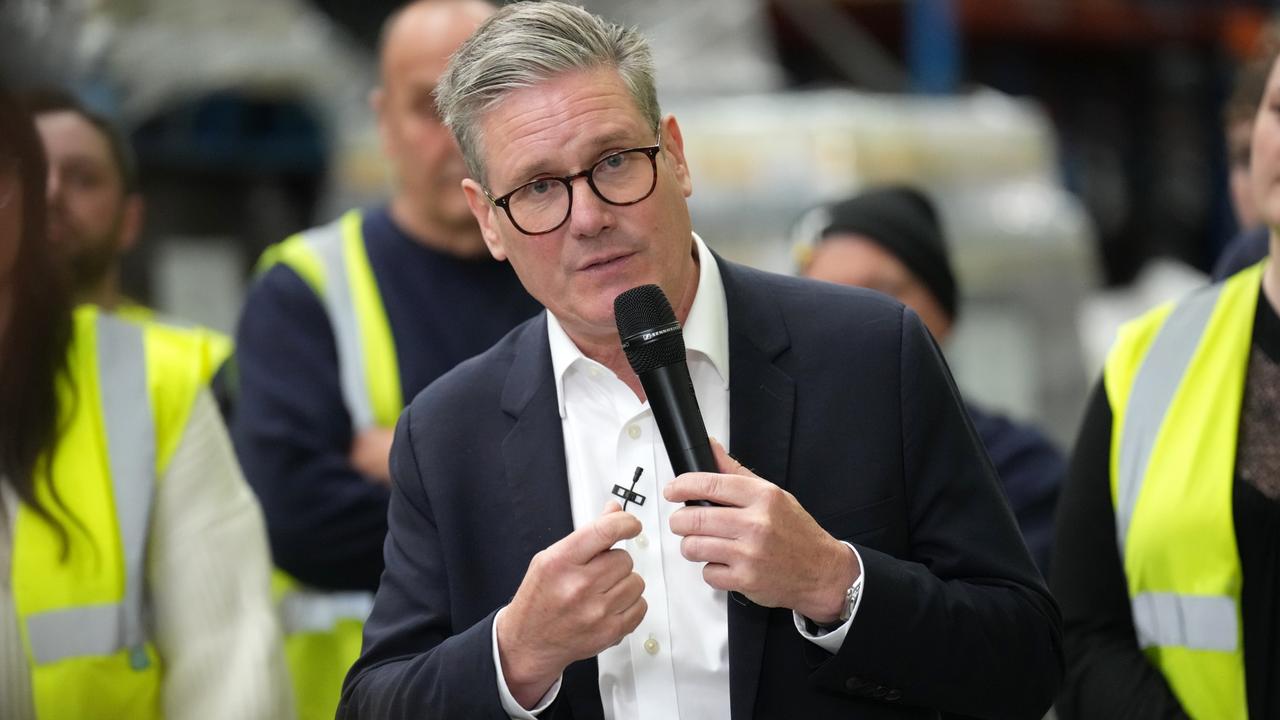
x=904, y=222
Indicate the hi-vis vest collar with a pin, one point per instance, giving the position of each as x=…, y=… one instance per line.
x=332, y=259
x=1175, y=380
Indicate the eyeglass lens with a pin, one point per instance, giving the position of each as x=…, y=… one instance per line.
x=621, y=179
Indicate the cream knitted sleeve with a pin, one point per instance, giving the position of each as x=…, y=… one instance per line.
x=209, y=579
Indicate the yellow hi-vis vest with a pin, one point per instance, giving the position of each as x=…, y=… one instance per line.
x=215, y=347
x=83, y=620
x=323, y=629
x=1175, y=380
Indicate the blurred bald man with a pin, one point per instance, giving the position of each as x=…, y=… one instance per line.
x=345, y=324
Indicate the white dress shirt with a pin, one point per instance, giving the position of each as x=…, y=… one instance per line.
x=676, y=663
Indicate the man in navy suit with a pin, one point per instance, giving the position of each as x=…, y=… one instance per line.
x=860, y=560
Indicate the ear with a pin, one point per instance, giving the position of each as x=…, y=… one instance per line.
x=486, y=215
x=673, y=148
x=132, y=216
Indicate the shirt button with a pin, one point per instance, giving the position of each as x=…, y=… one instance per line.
x=593, y=372
x=642, y=542
x=651, y=645
x=633, y=431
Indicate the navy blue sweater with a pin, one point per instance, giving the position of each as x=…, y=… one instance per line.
x=291, y=428
x=1031, y=469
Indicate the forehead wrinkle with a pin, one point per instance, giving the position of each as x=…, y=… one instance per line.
x=543, y=166
x=416, y=87
x=536, y=123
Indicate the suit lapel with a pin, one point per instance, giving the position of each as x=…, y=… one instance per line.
x=761, y=404
x=537, y=482
x=533, y=450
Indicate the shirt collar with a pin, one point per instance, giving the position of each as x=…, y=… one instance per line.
x=706, y=329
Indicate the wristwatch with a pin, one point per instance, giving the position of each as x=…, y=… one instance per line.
x=850, y=596
x=846, y=611
x=850, y=601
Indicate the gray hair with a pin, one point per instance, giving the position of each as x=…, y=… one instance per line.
x=526, y=43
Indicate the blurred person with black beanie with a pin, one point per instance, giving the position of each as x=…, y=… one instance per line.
x=890, y=239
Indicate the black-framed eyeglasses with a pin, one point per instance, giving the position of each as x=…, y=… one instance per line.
x=543, y=205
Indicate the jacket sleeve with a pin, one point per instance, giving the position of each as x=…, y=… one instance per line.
x=1107, y=674
x=415, y=663
x=962, y=621
x=292, y=433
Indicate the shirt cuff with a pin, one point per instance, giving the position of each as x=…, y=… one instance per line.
x=509, y=704
x=830, y=640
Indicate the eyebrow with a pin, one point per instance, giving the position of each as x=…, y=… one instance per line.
x=82, y=161
x=424, y=88
x=525, y=173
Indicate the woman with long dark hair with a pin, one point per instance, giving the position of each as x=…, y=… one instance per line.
x=133, y=559
x=35, y=310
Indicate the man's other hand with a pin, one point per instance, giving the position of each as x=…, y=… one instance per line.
x=578, y=597
x=761, y=542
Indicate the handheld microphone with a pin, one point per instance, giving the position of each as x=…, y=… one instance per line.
x=654, y=345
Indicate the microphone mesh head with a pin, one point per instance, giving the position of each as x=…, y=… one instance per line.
x=642, y=309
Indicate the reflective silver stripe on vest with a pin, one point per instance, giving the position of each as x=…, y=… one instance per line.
x=126, y=414
x=1192, y=621
x=327, y=242
x=312, y=611
x=1153, y=389
x=91, y=630
x=1165, y=619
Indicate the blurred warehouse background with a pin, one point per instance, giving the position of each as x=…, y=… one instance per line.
x=1074, y=146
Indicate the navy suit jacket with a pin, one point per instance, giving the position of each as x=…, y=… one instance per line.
x=836, y=394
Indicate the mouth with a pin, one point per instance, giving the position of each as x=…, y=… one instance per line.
x=606, y=264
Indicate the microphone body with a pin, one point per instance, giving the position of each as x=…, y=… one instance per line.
x=675, y=410
x=654, y=345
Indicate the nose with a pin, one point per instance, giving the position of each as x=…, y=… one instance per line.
x=590, y=215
